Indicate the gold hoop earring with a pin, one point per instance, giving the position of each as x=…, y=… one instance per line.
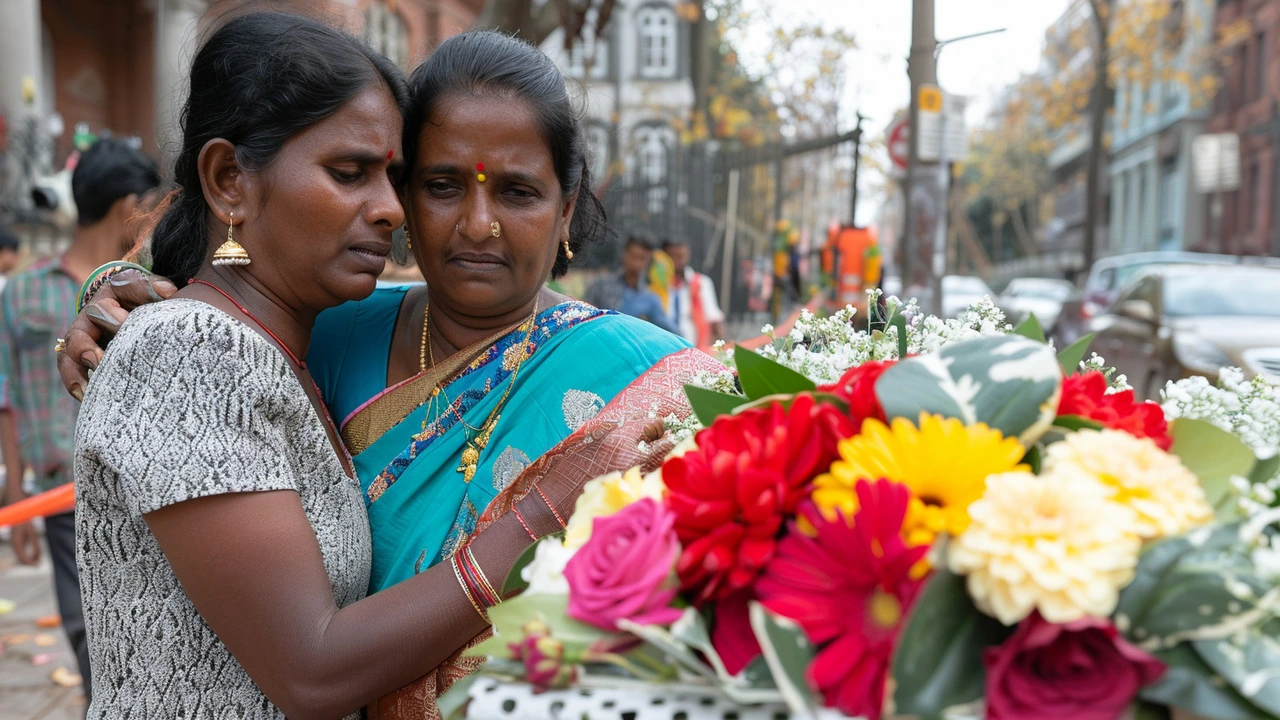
x=568, y=254
x=495, y=228
x=230, y=252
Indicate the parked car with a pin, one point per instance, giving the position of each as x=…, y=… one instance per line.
x=1175, y=321
x=1042, y=297
x=1109, y=276
x=961, y=291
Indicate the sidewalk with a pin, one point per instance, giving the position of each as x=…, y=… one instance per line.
x=26, y=690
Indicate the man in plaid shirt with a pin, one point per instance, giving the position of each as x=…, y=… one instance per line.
x=37, y=417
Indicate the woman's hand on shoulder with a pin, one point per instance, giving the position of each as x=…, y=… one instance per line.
x=99, y=320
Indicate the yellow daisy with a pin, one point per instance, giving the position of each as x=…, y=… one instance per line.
x=944, y=462
x=1165, y=496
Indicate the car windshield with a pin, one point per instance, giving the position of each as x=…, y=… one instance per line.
x=966, y=285
x=1040, y=291
x=1242, y=292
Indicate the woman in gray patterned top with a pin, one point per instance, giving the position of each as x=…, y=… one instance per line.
x=223, y=543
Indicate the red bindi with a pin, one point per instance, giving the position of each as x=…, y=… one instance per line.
x=479, y=167
x=391, y=154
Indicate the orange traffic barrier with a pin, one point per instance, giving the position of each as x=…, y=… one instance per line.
x=53, y=502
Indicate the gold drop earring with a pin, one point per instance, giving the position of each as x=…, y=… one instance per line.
x=230, y=252
x=408, y=240
x=568, y=254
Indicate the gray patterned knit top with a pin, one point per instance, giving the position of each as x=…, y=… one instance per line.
x=189, y=402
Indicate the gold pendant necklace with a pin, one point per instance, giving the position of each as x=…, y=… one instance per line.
x=470, y=460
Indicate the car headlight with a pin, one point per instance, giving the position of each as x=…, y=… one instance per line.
x=1197, y=353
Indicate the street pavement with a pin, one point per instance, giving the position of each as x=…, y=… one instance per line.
x=29, y=655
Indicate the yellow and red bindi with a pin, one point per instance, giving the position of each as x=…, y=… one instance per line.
x=480, y=172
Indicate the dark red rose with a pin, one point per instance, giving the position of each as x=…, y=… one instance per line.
x=858, y=388
x=1086, y=396
x=1082, y=670
x=733, y=492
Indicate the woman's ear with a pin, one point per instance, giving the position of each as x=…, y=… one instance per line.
x=567, y=217
x=223, y=181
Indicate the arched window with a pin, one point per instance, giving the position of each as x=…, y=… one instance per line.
x=598, y=149
x=656, y=28
x=385, y=32
x=652, y=143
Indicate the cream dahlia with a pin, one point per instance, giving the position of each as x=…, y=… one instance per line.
x=1053, y=543
x=1165, y=496
x=605, y=496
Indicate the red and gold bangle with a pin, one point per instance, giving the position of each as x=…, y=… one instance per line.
x=466, y=589
x=524, y=524
x=489, y=596
x=550, y=506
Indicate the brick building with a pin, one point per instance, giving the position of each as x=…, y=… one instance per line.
x=1249, y=105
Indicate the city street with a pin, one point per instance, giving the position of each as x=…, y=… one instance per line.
x=29, y=654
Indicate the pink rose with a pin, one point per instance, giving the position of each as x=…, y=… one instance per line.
x=624, y=572
x=1082, y=670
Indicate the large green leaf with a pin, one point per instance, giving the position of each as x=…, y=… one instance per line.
x=1191, y=685
x=515, y=583
x=1250, y=662
x=938, y=664
x=1159, y=567
x=788, y=653
x=899, y=322
x=1075, y=422
x=1071, y=356
x=1265, y=469
x=1215, y=456
x=510, y=617
x=708, y=404
x=761, y=376
x=1030, y=329
x=1008, y=382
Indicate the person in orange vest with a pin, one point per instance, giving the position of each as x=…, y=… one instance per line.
x=693, y=304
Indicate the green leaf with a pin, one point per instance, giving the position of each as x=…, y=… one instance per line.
x=1075, y=422
x=1250, y=662
x=1158, y=569
x=761, y=376
x=1008, y=382
x=1073, y=354
x=708, y=404
x=899, y=321
x=1264, y=470
x=1191, y=685
x=514, y=583
x=1149, y=711
x=786, y=401
x=1033, y=459
x=1030, y=329
x=788, y=653
x=939, y=659
x=510, y=617
x=453, y=704
x=1215, y=456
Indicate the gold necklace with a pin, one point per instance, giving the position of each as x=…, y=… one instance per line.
x=470, y=459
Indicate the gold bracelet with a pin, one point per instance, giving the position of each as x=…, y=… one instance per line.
x=479, y=572
x=457, y=572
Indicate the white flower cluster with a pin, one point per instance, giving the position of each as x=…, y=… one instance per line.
x=1116, y=382
x=1249, y=409
x=681, y=429
x=823, y=348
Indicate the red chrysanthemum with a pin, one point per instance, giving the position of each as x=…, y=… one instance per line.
x=1086, y=396
x=748, y=474
x=858, y=388
x=850, y=587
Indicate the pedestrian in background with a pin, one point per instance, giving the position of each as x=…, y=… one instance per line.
x=694, y=308
x=37, y=417
x=624, y=290
x=9, y=247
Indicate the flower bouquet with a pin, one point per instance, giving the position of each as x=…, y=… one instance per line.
x=981, y=528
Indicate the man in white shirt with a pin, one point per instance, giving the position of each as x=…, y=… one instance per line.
x=693, y=304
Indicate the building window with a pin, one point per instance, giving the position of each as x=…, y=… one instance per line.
x=598, y=150
x=656, y=27
x=588, y=47
x=385, y=32
x=1168, y=202
x=651, y=147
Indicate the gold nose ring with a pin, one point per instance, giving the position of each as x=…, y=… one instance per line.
x=495, y=228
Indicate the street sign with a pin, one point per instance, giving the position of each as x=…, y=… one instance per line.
x=957, y=138
x=942, y=114
x=1216, y=160
x=899, y=141
x=930, y=99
